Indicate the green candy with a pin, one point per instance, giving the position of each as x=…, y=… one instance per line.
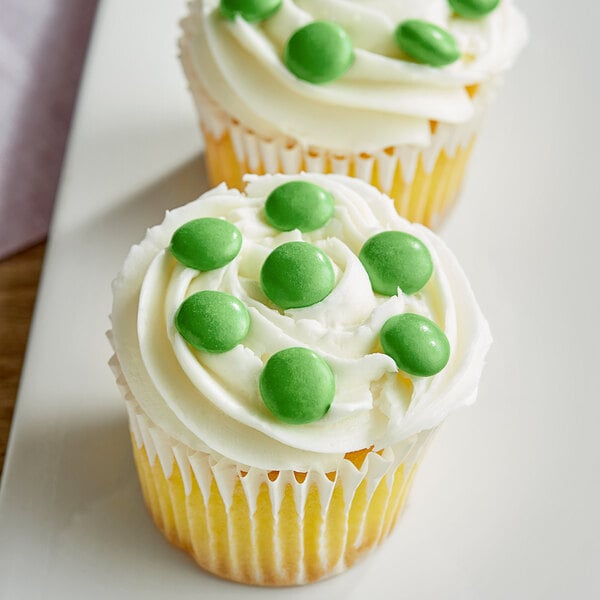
x=206, y=244
x=393, y=260
x=319, y=52
x=212, y=321
x=427, y=43
x=473, y=9
x=299, y=205
x=297, y=386
x=250, y=10
x=297, y=274
x=417, y=345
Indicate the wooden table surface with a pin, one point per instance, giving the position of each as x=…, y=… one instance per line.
x=19, y=276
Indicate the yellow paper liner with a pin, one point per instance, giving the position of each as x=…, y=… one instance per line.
x=427, y=198
x=267, y=547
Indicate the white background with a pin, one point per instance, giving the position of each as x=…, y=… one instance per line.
x=506, y=504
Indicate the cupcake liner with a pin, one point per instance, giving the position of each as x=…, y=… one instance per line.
x=423, y=182
x=269, y=527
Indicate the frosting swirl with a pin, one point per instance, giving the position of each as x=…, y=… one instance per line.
x=383, y=99
x=213, y=401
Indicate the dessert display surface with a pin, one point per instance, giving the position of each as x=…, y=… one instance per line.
x=504, y=504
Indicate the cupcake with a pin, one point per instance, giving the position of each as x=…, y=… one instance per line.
x=389, y=91
x=285, y=355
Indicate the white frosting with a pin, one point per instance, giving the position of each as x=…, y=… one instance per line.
x=383, y=99
x=212, y=401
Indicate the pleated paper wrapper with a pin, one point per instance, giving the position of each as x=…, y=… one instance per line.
x=271, y=528
x=424, y=183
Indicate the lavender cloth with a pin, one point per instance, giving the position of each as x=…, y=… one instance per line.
x=42, y=47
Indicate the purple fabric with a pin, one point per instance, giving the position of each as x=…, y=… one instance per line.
x=42, y=48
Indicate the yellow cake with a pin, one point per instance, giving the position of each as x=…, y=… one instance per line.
x=285, y=354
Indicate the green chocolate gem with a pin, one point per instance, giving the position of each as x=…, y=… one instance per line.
x=417, y=345
x=212, y=321
x=297, y=274
x=299, y=205
x=393, y=260
x=297, y=386
x=206, y=244
x=319, y=52
x=250, y=10
x=427, y=43
x=473, y=9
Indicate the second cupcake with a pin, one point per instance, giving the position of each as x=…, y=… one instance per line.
x=388, y=91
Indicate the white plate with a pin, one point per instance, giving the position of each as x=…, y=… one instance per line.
x=506, y=503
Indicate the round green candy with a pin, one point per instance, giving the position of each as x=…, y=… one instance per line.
x=319, y=52
x=212, y=321
x=394, y=259
x=297, y=274
x=250, y=10
x=473, y=9
x=206, y=244
x=417, y=345
x=427, y=43
x=297, y=386
x=299, y=205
